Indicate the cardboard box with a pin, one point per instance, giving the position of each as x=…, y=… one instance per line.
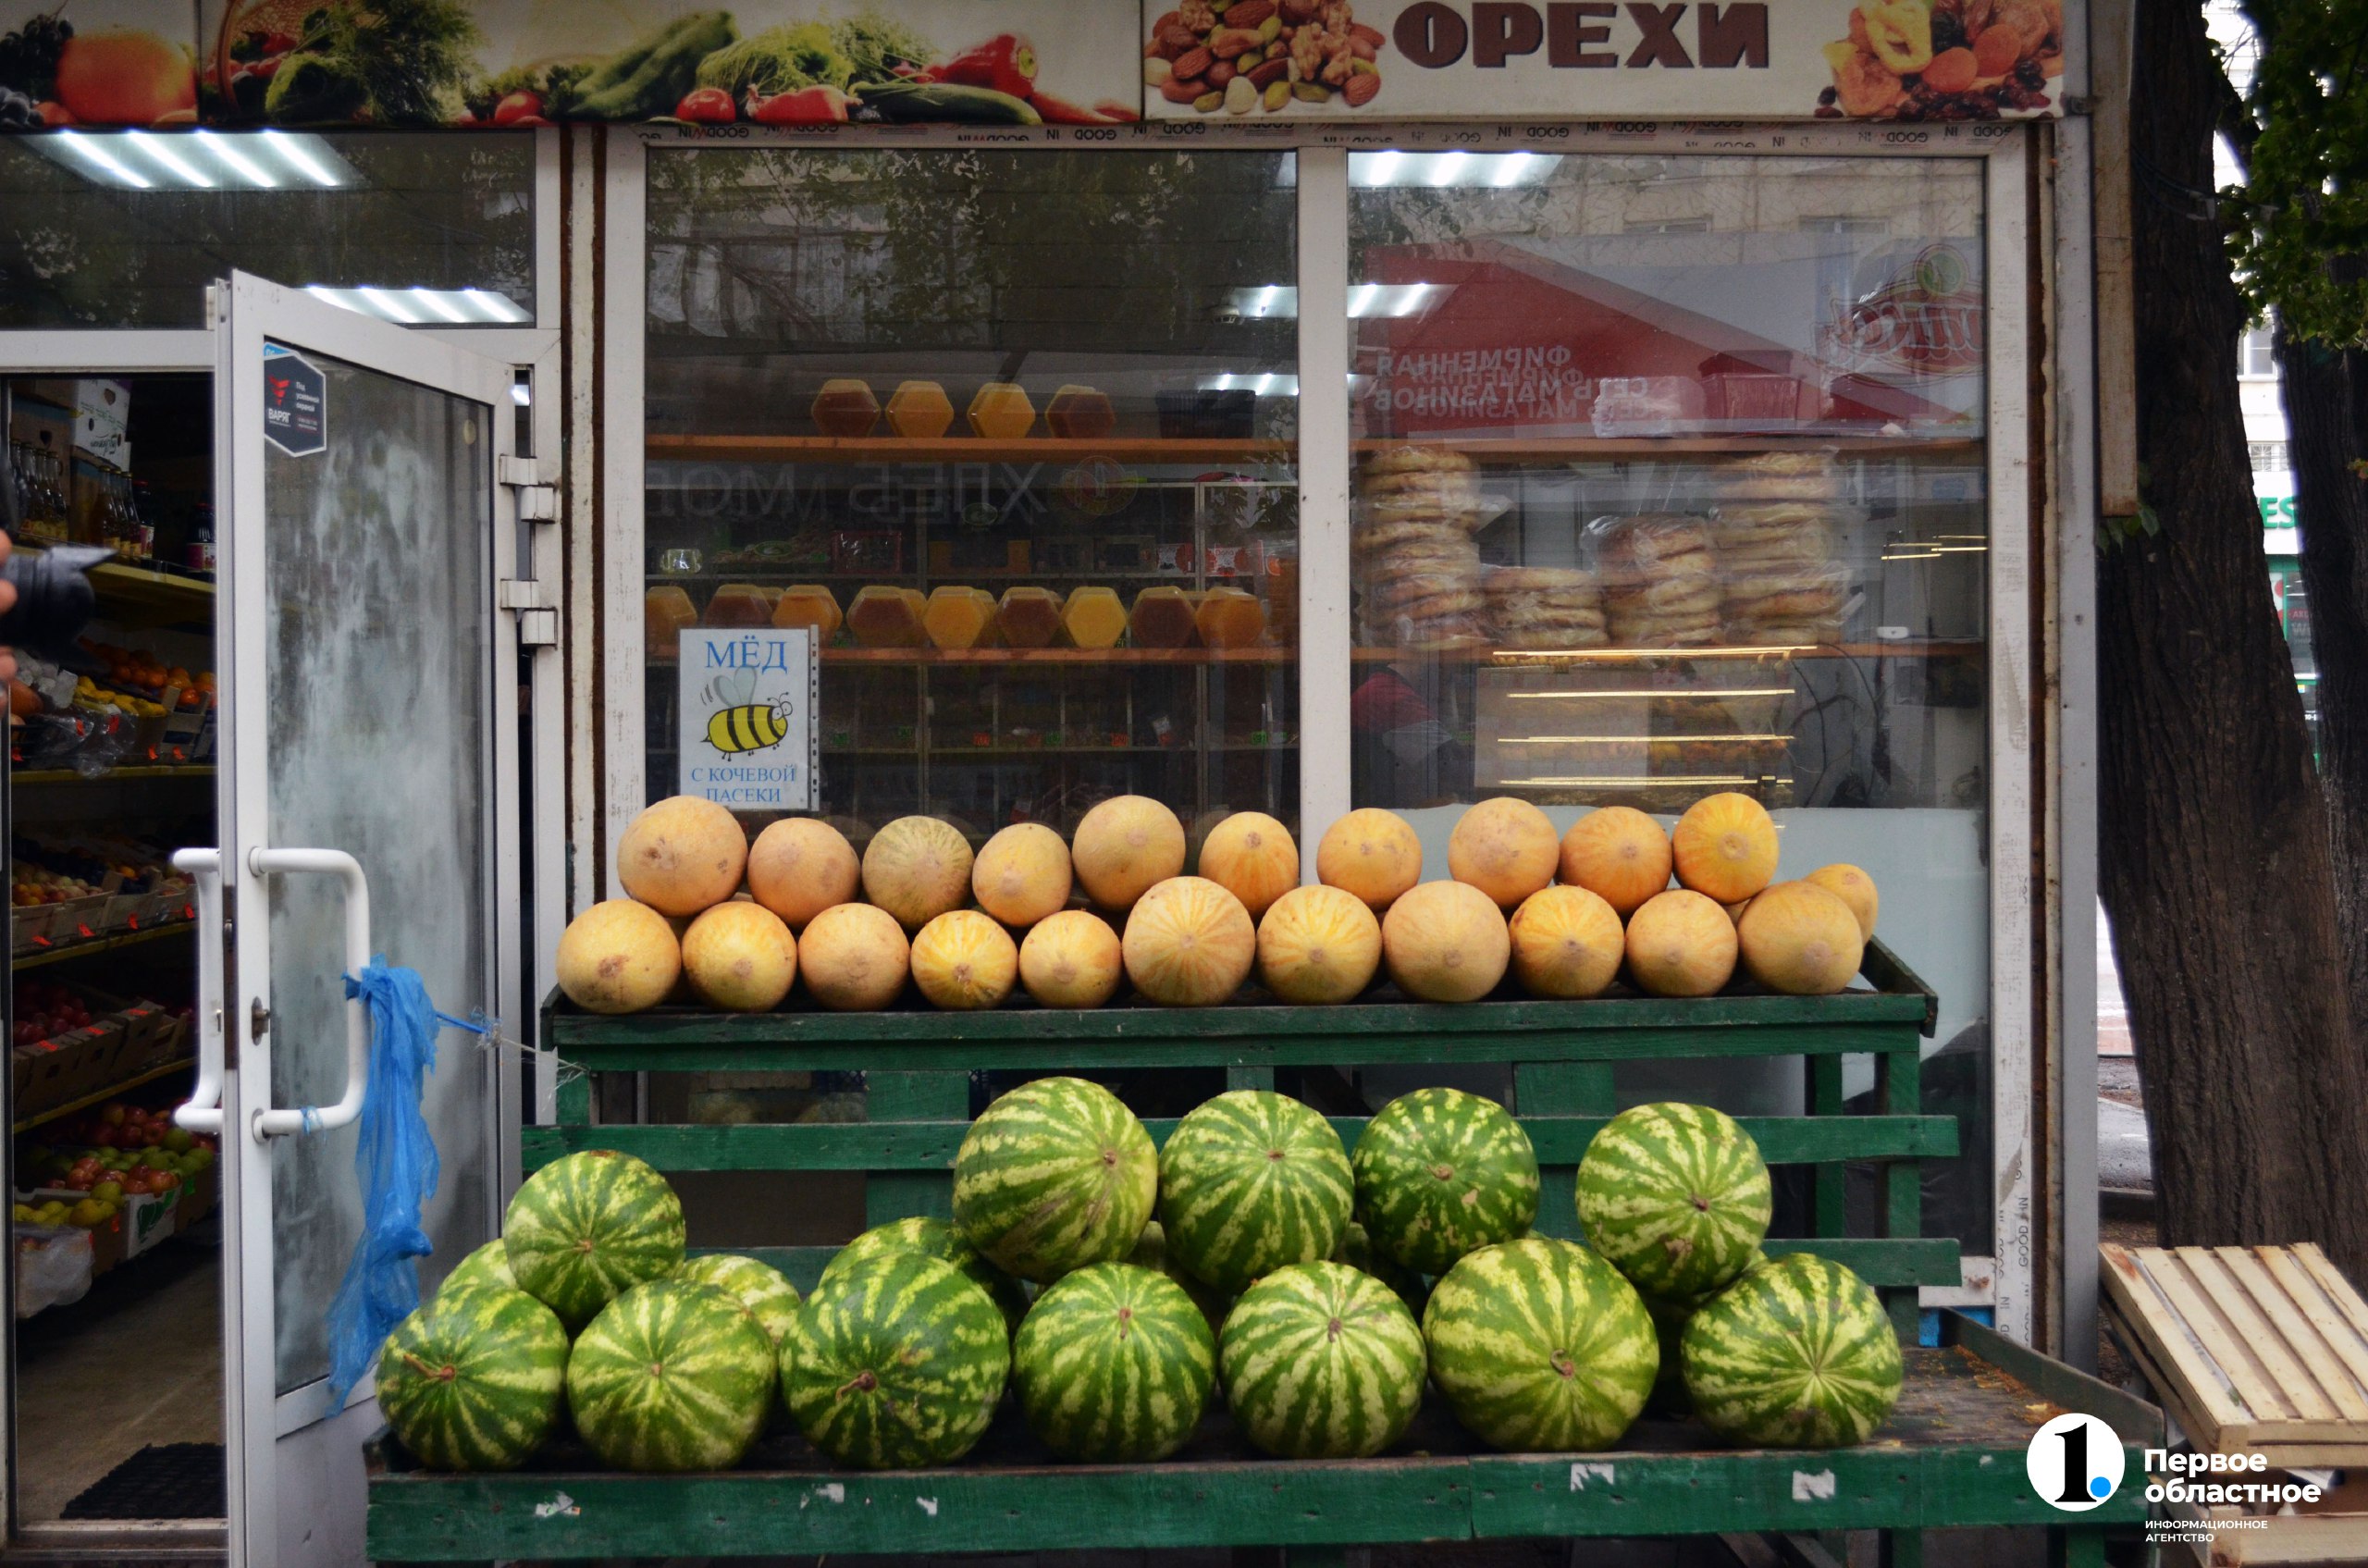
x=100, y=411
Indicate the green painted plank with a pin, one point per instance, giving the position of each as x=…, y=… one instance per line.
x=917, y=1096
x=1832, y=1184
x=1885, y=972
x=1884, y=1262
x=887, y=1197
x=1249, y=1078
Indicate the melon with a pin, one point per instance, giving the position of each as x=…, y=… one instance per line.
x=962, y=961
x=618, y=957
x=1567, y=943
x=1442, y=1173
x=917, y=869
x=1797, y=1353
x=1249, y=1182
x=1446, y=941
x=1676, y=1197
x=895, y=1363
x=1189, y=943
x=1855, y=888
x=490, y=1264
x=1071, y=959
x=1356, y=1250
x=671, y=1376
x=1371, y=854
x=801, y=866
x=1680, y=943
x=1725, y=846
x=1251, y=856
x=587, y=1227
x=854, y=958
x=1322, y=1362
x=1022, y=875
x=1619, y=854
x=1113, y=1366
x=1505, y=848
x=1055, y=1175
x=1318, y=945
x=682, y=855
x=938, y=1238
x=1124, y=847
x=771, y=1299
x=1799, y=939
x=740, y=956
x=474, y=1379
x=1540, y=1347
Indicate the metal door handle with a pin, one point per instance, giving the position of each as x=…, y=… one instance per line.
x=278, y=1123
x=202, y=1111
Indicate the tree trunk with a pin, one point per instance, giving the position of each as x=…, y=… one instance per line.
x=2212, y=833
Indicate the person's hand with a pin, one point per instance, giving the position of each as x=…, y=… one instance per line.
x=8, y=602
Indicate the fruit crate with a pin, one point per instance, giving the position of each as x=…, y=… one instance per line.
x=1952, y=1456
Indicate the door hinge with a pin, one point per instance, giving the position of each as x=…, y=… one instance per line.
x=536, y=485
x=536, y=603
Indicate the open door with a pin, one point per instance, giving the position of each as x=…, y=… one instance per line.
x=367, y=804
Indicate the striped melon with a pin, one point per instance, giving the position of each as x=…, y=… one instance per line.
x=1797, y=1353
x=1055, y=1175
x=1151, y=1250
x=894, y=1364
x=586, y=1227
x=670, y=1377
x=938, y=1238
x=1442, y=1173
x=1676, y=1197
x=1540, y=1347
x=473, y=1380
x=1356, y=1250
x=759, y=1287
x=490, y=1264
x=1321, y=1362
x=1113, y=1364
x=1249, y=1182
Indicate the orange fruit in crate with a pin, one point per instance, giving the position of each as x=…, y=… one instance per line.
x=1189, y=942
x=1371, y=853
x=962, y=960
x=618, y=957
x=740, y=956
x=1071, y=959
x=1125, y=847
x=1567, y=943
x=917, y=869
x=1251, y=856
x=1446, y=941
x=682, y=854
x=1505, y=848
x=799, y=867
x=1619, y=854
x=1855, y=888
x=1318, y=945
x=854, y=958
x=1801, y=940
x=1022, y=875
x=1680, y=943
x=1725, y=846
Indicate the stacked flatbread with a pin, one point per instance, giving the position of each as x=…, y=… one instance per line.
x=1660, y=584
x=1774, y=535
x=1545, y=607
x=1417, y=569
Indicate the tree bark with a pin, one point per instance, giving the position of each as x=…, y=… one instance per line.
x=2213, y=834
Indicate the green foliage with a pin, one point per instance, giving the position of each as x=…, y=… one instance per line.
x=405, y=59
x=2301, y=130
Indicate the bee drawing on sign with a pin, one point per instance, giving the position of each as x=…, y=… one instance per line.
x=739, y=725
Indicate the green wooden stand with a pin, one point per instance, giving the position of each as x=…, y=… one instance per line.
x=1952, y=1454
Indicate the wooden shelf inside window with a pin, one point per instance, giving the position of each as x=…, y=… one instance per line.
x=1159, y=449
x=1089, y=656
x=1508, y=658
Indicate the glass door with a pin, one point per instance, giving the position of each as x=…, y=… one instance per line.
x=366, y=808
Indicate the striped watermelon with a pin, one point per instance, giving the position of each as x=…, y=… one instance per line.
x=1113, y=1364
x=672, y=1375
x=473, y=1380
x=1321, y=1362
x=1152, y=1252
x=1056, y=1175
x=897, y=1363
x=935, y=1238
x=1356, y=1250
x=1797, y=1353
x=1252, y=1180
x=1676, y=1197
x=490, y=1264
x=759, y=1287
x=589, y=1226
x=1541, y=1347
x=1442, y=1173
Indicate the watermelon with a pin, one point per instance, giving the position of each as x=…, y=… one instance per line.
x=1152, y=1252
x=672, y=1375
x=1442, y=1173
x=1676, y=1197
x=1321, y=1362
x=1056, y=1175
x=938, y=1238
x=1797, y=1353
x=897, y=1363
x=473, y=1380
x=1113, y=1364
x=587, y=1227
x=1249, y=1182
x=1356, y=1250
x=490, y=1264
x=759, y=1287
x=1540, y=1347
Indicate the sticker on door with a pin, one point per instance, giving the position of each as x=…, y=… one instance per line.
x=295, y=402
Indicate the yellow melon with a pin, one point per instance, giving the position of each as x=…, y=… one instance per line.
x=1189, y=942
x=1618, y=854
x=682, y=855
x=1855, y=888
x=1680, y=943
x=1567, y=943
x=1251, y=856
x=1123, y=847
x=1071, y=959
x=1446, y=941
x=854, y=958
x=1725, y=847
x=1318, y=945
x=1505, y=848
x=963, y=960
x=1734, y=910
x=618, y=957
x=1801, y=940
x=800, y=866
x=741, y=957
x=1371, y=853
x=1022, y=875
x=916, y=868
